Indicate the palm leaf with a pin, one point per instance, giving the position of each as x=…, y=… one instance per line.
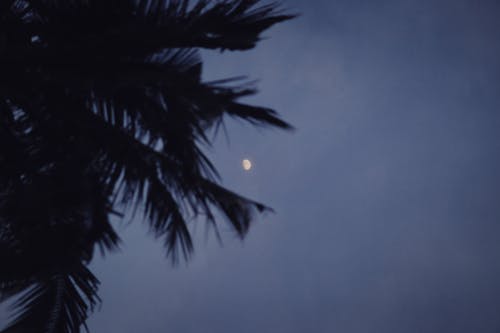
x=56, y=303
x=102, y=103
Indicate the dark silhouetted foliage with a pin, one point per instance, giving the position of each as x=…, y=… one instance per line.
x=102, y=107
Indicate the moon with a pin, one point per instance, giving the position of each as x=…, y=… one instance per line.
x=247, y=165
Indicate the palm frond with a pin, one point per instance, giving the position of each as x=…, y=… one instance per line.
x=232, y=25
x=149, y=25
x=102, y=103
x=57, y=303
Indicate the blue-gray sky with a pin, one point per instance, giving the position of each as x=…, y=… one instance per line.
x=386, y=197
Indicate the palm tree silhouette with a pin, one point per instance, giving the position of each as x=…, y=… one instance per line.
x=102, y=107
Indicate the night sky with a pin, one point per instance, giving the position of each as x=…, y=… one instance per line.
x=387, y=196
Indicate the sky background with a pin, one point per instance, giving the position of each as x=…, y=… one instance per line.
x=386, y=196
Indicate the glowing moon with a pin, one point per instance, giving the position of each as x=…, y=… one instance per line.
x=247, y=165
